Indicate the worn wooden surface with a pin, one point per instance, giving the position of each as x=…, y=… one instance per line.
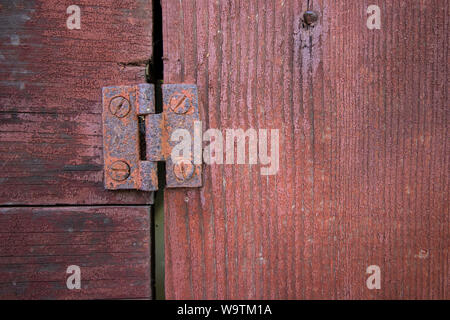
x=111, y=245
x=364, y=161
x=50, y=95
x=51, y=151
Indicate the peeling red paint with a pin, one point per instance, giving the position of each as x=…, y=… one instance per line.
x=50, y=96
x=363, y=176
x=111, y=245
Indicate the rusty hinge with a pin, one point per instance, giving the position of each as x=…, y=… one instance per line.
x=122, y=107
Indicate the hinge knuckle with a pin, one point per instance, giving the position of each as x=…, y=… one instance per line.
x=145, y=99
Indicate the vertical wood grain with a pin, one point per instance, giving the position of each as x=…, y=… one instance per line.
x=364, y=161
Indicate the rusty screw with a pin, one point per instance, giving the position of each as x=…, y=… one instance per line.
x=119, y=171
x=119, y=106
x=179, y=103
x=310, y=17
x=183, y=170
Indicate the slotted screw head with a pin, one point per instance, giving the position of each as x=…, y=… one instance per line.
x=183, y=169
x=119, y=106
x=310, y=17
x=179, y=103
x=119, y=171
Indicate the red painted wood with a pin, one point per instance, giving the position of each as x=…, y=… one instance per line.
x=363, y=179
x=51, y=151
x=111, y=245
x=50, y=96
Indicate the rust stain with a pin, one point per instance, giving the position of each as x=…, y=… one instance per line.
x=121, y=136
x=122, y=106
x=166, y=149
x=179, y=113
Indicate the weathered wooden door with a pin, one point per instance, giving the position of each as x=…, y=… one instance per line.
x=362, y=114
x=55, y=216
x=361, y=109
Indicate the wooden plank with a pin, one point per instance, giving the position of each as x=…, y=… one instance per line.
x=50, y=95
x=111, y=245
x=364, y=161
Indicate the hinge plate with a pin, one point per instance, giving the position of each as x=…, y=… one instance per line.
x=124, y=167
